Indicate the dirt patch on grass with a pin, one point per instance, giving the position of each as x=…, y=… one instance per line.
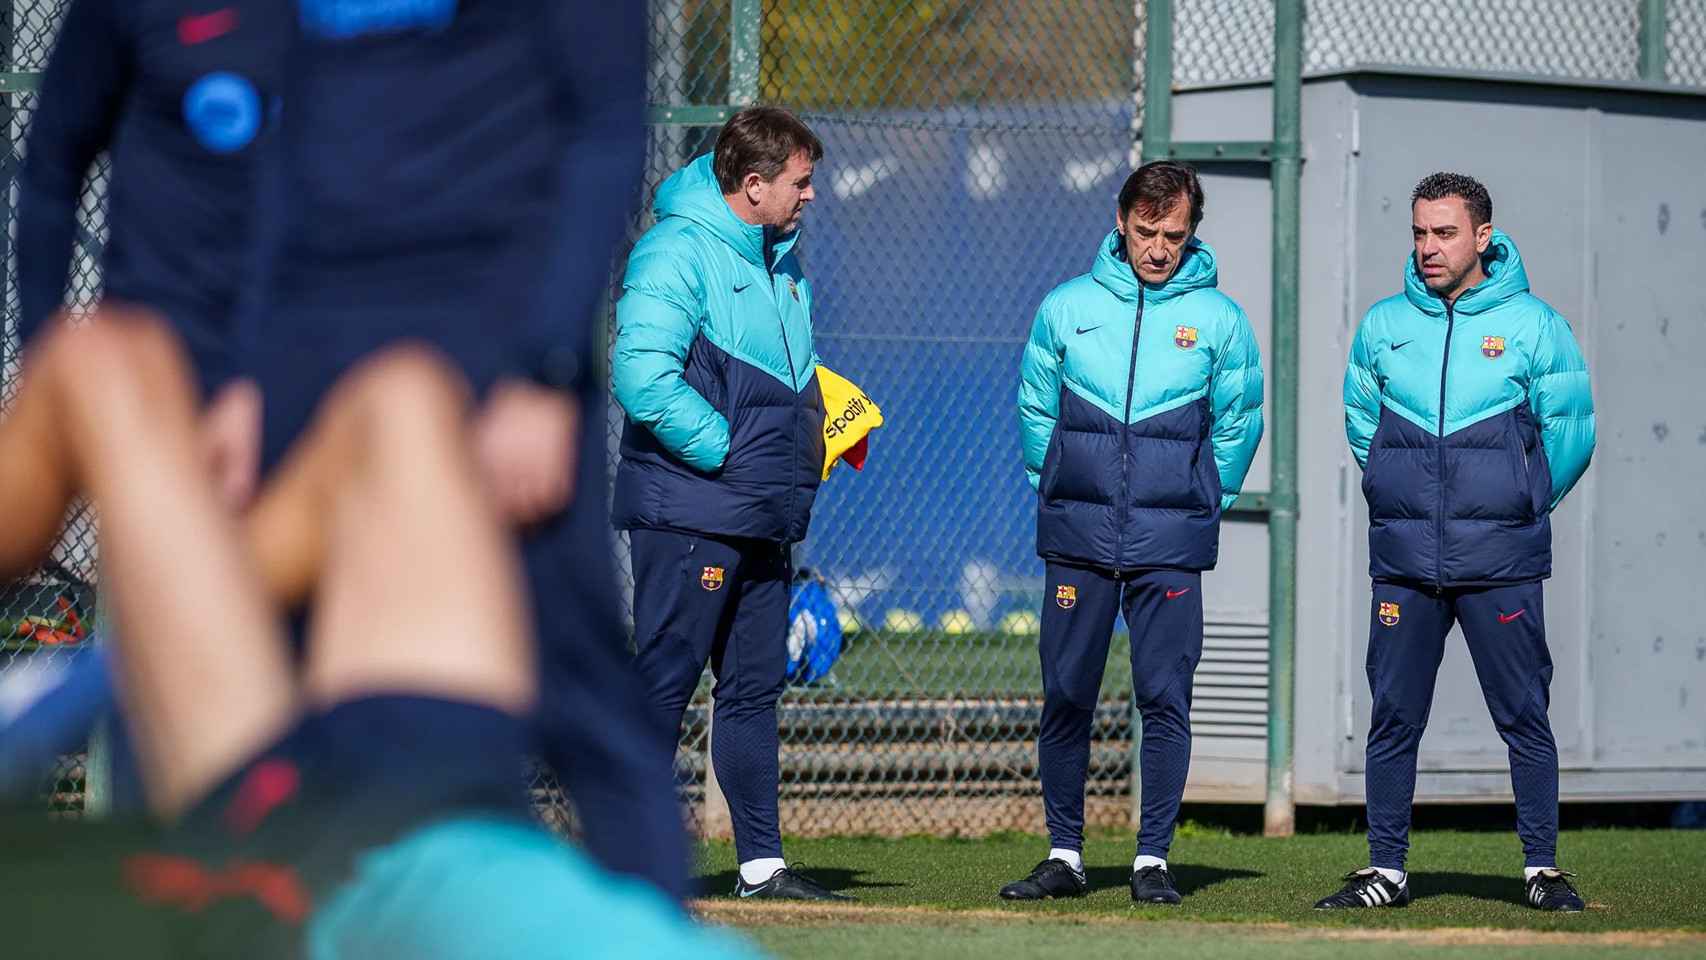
x=751, y=914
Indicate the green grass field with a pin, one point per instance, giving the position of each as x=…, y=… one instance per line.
x=1242, y=894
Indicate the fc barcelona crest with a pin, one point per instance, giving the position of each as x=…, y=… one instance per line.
x=1066, y=595
x=711, y=578
x=1185, y=337
x=1493, y=347
x=1389, y=613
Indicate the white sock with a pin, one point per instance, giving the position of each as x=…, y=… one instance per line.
x=1073, y=858
x=1396, y=876
x=757, y=871
x=1145, y=861
x=1529, y=872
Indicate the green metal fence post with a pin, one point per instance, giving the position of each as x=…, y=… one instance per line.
x=1653, y=41
x=1279, y=813
x=1158, y=81
x=745, y=18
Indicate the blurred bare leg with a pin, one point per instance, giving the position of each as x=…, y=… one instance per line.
x=381, y=513
x=108, y=410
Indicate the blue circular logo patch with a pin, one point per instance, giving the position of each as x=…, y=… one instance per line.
x=223, y=111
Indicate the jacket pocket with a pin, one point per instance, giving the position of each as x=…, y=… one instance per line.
x=1051, y=464
x=1536, y=474
x=1206, y=468
x=1374, y=454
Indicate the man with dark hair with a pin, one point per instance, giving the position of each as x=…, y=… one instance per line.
x=1468, y=406
x=1140, y=401
x=722, y=453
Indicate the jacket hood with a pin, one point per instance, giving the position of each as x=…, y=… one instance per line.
x=692, y=193
x=1197, y=271
x=1506, y=278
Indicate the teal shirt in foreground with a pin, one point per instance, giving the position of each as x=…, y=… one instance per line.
x=471, y=888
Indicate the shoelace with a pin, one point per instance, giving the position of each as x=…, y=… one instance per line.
x=1041, y=868
x=797, y=871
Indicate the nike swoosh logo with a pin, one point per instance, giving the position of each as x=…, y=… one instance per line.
x=1399, y=346
x=747, y=893
x=200, y=28
x=741, y=286
x=1176, y=594
x=1084, y=330
x=1507, y=619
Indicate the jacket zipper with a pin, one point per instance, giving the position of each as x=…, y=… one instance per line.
x=1439, y=449
x=794, y=382
x=1125, y=434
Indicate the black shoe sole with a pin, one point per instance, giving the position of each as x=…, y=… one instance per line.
x=1014, y=898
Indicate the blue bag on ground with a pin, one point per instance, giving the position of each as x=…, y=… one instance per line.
x=814, y=630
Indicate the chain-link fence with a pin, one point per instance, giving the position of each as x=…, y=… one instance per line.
x=974, y=150
x=1229, y=41
x=48, y=617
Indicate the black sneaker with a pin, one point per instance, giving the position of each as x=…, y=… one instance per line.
x=786, y=884
x=1153, y=885
x=1051, y=878
x=1367, y=888
x=1551, y=890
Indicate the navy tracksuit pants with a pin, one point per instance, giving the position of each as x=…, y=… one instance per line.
x=1163, y=612
x=1505, y=627
x=725, y=600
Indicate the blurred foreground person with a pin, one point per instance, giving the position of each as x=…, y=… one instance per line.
x=366, y=804
x=460, y=174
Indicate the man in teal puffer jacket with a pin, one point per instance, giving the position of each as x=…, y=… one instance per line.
x=722, y=455
x=1468, y=406
x=1140, y=404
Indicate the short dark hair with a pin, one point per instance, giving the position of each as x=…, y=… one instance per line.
x=1154, y=190
x=1438, y=186
x=760, y=140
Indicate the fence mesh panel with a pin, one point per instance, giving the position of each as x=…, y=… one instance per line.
x=974, y=151
x=1219, y=41
x=45, y=618
x=1685, y=42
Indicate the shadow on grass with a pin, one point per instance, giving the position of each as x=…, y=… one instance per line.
x=1189, y=878
x=1494, y=888
x=834, y=878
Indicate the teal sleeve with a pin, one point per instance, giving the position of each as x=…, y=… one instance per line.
x=1362, y=396
x=656, y=321
x=1562, y=399
x=1039, y=394
x=1236, y=401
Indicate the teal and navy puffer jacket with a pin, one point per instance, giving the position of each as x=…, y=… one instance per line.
x=1140, y=408
x=715, y=369
x=1471, y=421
